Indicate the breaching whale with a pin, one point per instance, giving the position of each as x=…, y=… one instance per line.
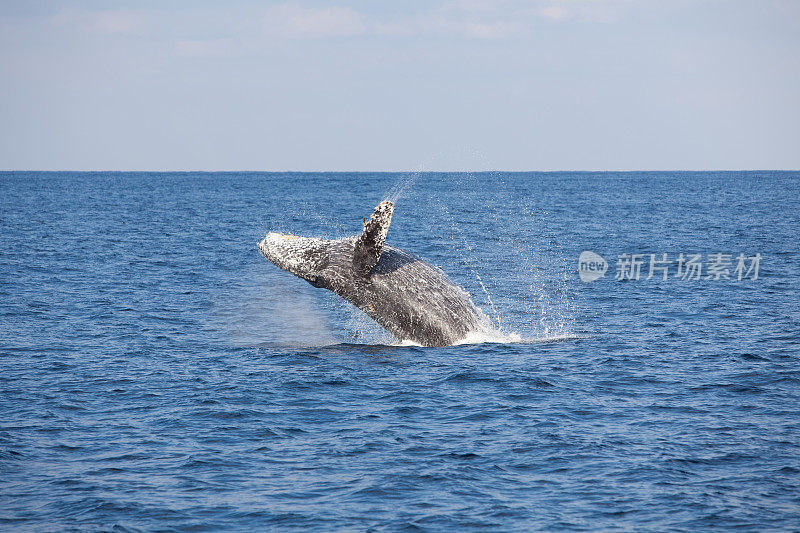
x=411, y=299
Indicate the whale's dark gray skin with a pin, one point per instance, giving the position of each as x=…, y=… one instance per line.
x=411, y=299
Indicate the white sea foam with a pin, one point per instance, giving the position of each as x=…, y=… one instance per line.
x=489, y=336
x=407, y=343
x=506, y=337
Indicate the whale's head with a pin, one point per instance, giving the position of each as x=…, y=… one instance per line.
x=330, y=263
x=305, y=257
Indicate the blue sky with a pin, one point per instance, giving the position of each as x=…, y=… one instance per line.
x=450, y=85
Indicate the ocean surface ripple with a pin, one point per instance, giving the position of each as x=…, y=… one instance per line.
x=159, y=375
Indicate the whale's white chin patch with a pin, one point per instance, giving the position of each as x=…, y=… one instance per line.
x=291, y=252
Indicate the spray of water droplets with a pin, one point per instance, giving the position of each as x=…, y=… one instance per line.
x=402, y=186
x=538, y=307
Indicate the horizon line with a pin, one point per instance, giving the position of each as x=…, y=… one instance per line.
x=551, y=171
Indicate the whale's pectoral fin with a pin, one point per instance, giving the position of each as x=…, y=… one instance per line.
x=370, y=244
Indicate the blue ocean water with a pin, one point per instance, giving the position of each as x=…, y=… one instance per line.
x=157, y=373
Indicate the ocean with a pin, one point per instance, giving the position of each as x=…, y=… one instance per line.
x=158, y=374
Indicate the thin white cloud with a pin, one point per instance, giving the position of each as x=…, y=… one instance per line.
x=208, y=48
x=105, y=22
x=470, y=19
x=588, y=10
x=474, y=7
x=528, y=11
x=553, y=12
x=455, y=18
x=294, y=20
x=443, y=26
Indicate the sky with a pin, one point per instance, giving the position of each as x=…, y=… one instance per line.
x=400, y=86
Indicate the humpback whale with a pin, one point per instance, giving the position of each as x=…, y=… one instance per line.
x=411, y=299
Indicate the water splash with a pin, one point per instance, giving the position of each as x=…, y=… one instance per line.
x=469, y=259
x=403, y=185
x=258, y=312
x=361, y=329
x=543, y=308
